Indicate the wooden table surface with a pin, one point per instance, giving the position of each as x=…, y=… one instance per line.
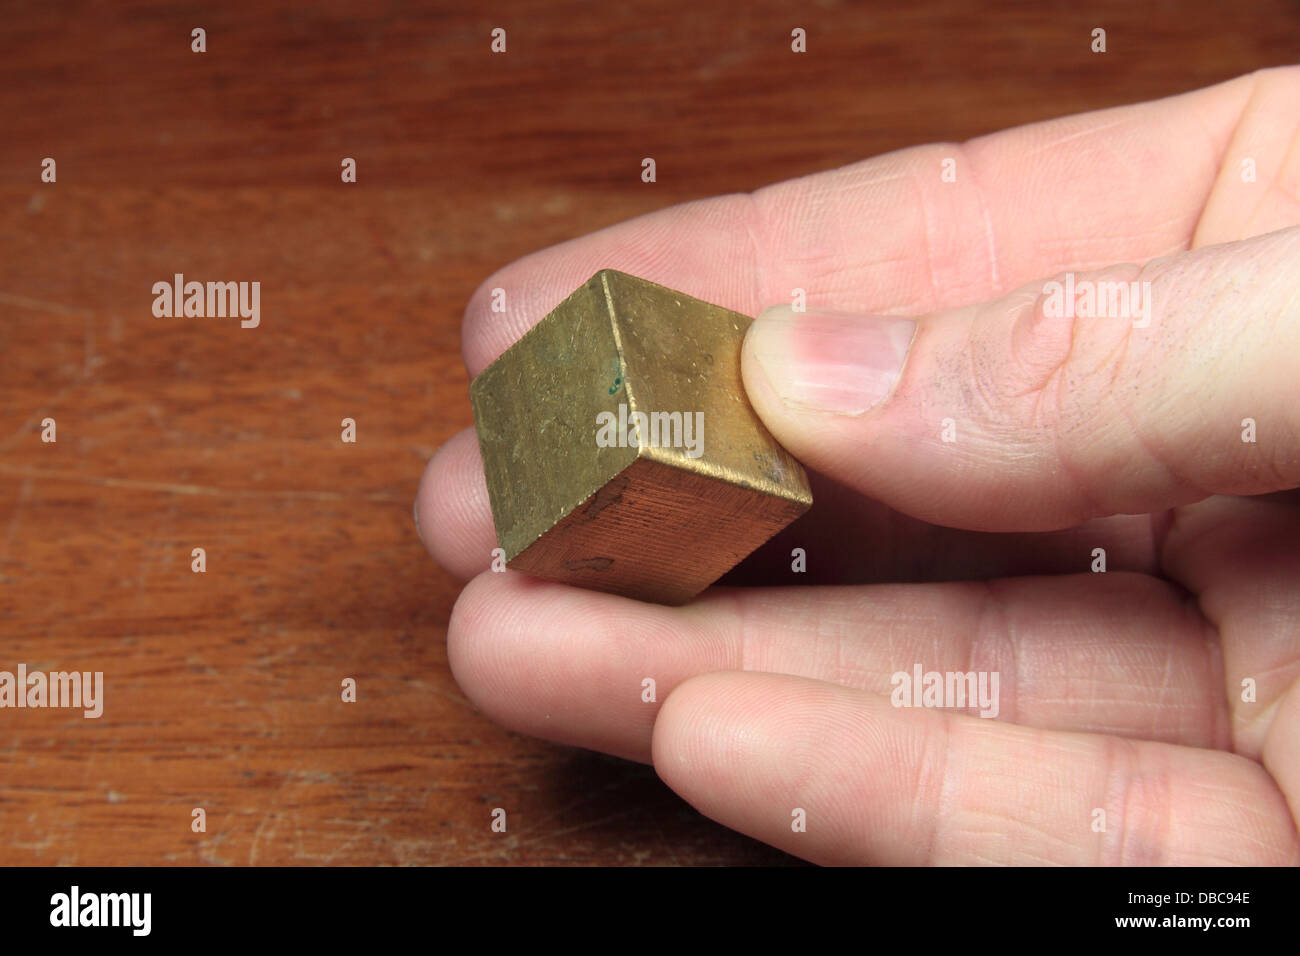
x=222, y=689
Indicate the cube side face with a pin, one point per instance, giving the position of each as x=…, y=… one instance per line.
x=535, y=411
x=657, y=532
x=683, y=365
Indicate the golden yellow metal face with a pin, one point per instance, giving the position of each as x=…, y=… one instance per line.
x=620, y=450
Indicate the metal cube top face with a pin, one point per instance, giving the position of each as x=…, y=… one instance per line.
x=558, y=420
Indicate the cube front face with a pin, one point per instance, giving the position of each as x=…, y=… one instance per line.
x=620, y=451
x=534, y=409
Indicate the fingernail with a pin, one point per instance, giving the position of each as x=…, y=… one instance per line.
x=836, y=362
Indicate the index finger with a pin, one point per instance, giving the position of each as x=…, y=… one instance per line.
x=941, y=225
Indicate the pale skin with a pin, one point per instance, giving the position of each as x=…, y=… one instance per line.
x=1120, y=691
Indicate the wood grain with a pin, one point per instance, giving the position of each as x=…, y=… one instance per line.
x=222, y=688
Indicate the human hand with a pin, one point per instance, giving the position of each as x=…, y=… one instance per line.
x=977, y=484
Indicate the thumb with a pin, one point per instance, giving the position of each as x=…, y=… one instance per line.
x=1121, y=391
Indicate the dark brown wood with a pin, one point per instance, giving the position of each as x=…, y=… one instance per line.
x=224, y=687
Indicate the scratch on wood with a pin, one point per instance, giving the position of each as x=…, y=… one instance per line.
x=175, y=489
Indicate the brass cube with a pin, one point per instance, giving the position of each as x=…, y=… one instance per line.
x=620, y=450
